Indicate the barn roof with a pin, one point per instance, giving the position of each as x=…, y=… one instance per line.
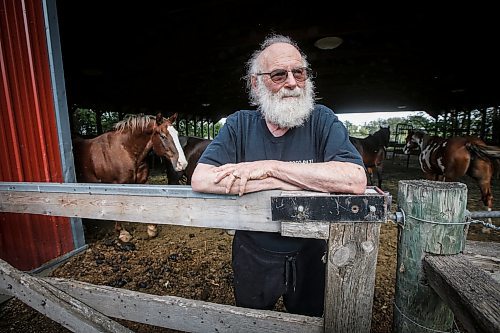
x=189, y=57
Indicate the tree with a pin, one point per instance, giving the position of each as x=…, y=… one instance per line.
x=419, y=121
x=85, y=121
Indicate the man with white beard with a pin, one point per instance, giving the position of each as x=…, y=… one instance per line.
x=288, y=143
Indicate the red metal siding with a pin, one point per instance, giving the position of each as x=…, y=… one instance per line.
x=28, y=134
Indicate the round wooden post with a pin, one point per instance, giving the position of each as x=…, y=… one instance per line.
x=434, y=223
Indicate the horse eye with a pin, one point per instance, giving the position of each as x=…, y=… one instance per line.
x=163, y=135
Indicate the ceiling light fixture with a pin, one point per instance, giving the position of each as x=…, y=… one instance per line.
x=328, y=43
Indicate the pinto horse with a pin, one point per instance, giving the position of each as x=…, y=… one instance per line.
x=193, y=149
x=449, y=159
x=373, y=150
x=119, y=156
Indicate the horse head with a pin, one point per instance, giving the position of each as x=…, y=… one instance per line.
x=384, y=136
x=414, y=140
x=166, y=143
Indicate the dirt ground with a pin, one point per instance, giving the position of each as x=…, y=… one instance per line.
x=195, y=262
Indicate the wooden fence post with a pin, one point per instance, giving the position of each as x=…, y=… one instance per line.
x=350, y=276
x=351, y=224
x=434, y=223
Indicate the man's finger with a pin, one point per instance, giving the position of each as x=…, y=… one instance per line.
x=243, y=183
x=220, y=176
x=230, y=183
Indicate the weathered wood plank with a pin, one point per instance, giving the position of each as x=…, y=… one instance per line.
x=249, y=212
x=318, y=230
x=485, y=249
x=184, y=314
x=350, y=280
x=429, y=209
x=51, y=302
x=485, y=255
x=181, y=206
x=473, y=296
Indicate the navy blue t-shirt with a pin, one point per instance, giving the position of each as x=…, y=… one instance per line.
x=246, y=138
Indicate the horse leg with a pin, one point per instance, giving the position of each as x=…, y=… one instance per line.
x=380, y=170
x=487, y=199
x=482, y=172
x=152, y=230
x=369, y=171
x=141, y=178
x=486, y=195
x=379, y=166
x=124, y=235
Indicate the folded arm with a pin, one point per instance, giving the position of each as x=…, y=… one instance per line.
x=240, y=178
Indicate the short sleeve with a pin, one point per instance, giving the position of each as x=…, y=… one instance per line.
x=222, y=149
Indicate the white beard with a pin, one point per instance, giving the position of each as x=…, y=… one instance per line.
x=286, y=112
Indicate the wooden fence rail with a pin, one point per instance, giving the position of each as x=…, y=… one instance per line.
x=74, y=297
x=351, y=224
x=470, y=293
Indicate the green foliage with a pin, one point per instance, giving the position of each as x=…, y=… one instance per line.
x=85, y=121
x=109, y=119
x=420, y=121
x=85, y=124
x=470, y=122
x=202, y=129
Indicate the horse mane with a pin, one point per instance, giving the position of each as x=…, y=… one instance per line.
x=134, y=122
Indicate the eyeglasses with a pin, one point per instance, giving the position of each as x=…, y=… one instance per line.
x=280, y=75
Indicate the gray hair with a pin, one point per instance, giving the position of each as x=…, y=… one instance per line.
x=253, y=65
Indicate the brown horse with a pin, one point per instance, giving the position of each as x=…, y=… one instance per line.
x=193, y=148
x=449, y=159
x=119, y=156
x=373, y=150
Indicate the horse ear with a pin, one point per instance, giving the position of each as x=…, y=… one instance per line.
x=173, y=117
x=159, y=118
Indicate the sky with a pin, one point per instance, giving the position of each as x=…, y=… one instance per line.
x=362, y=118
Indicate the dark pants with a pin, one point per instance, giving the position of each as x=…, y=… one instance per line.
x=261, y=277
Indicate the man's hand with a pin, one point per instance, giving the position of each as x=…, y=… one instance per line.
x=328, y=177
x=244, y=172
